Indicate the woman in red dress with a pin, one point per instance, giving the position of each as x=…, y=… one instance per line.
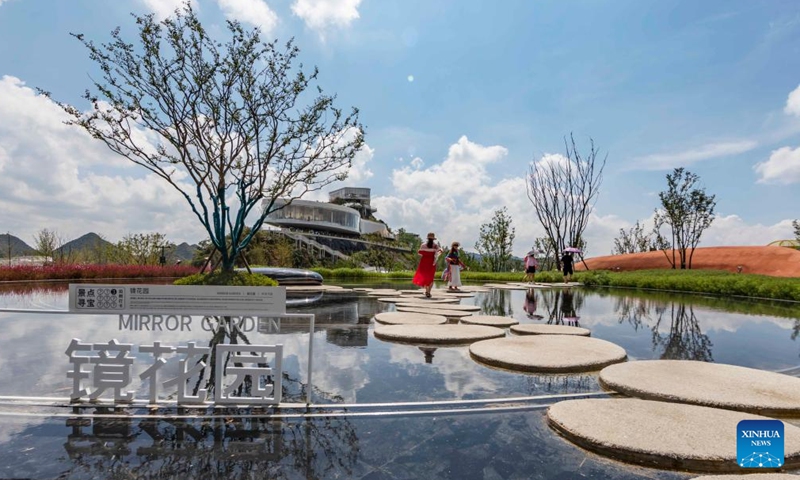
x=426, y=270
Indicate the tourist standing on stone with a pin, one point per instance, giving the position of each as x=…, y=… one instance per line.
x=455, y=265
x=531, y=264
x=566, y=265
x=426, y=270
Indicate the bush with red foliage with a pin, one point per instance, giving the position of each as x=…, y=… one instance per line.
x=91, y=272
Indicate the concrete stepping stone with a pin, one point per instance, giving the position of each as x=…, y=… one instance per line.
x=449, y=293
x=490, y=320
x=755, y=476
x=414, y=308
x=437, y=334
x=710, y=384
x=473, y=289
x=660, y=434
x=542, y=329
x=442, y=306
x=548, y=353
x=383, y=293
x=417, y=300
x=406, y=318
x=504, y=286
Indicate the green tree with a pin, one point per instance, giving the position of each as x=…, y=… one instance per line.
x=408, y=239
x=632, y=241
x=47, y=243
x=688, y=211
x=142, y=248
x=495, y=242
x=796, y=225
x=232, y=126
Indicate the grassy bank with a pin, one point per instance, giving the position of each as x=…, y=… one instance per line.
x=691, y=281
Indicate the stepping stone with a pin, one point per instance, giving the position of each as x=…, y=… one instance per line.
x=660, y=434
x=756, y=476
x=473, y=289
x=710, y=384
x=405, y=318
x=540, y=329
x=437, y=334
x=426, y=309
x=417, y=300
x=548, y=353
x=504, y=286
x=383, y=293
x=490, y=320
x=447, y=293
x=442, y=306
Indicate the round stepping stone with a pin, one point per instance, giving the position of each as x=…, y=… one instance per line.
x=660, y=434
x=405, y=318
x=540, y=329
x=490, y=320
x=548, y=353
x=504, y=286
x=415, y=300
x=756, y=476
x=710, y=384
x=437, y=334
x=425, y=309
x=442, y=306
x=447, y=293
x=473, y=289
x=383, y=293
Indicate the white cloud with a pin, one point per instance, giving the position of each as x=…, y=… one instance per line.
x=253, y=12
x=162, y=8
x=56, y=176
x=666, y=161
x=793, y=103
x=783, y=166
x=730, y=230
x=321, y=15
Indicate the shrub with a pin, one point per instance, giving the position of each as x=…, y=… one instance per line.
x=238, y=279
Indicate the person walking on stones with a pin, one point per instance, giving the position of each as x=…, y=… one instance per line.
x=455, y=265
x=531, y=264
x=566, y=265
x=426, y=269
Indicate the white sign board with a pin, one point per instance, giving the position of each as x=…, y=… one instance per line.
x=178, y=299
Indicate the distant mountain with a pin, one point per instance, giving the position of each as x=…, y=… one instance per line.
x=184, y=252
x=18, y=247
x=90, y=241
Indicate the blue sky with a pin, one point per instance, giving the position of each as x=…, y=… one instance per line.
x=457, y=97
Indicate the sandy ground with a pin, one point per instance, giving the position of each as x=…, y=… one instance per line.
x=774, y=261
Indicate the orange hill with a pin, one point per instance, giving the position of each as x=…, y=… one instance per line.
x=774, y=261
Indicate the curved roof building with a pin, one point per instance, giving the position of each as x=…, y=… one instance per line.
x=307, y=214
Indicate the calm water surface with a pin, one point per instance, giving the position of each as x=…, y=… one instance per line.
x=351, y=366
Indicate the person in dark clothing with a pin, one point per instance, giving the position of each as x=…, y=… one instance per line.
x=566, y=265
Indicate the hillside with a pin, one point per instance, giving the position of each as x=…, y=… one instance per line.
x=90, y=241
x=773, y=261
x=18, y=247
x=184, y=252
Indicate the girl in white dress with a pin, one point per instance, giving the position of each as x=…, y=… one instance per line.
x=455, y=265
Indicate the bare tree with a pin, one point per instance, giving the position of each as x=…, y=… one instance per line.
x=563, y=191
x=231, y=126
x=688, y=211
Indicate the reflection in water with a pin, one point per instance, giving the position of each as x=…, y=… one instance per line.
x=497, y=302
x=428, y=351
x=636, y=310
x=529, y=307
x=219, y=447
x=685, y=340
x=558, y=383
x=562, y=306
